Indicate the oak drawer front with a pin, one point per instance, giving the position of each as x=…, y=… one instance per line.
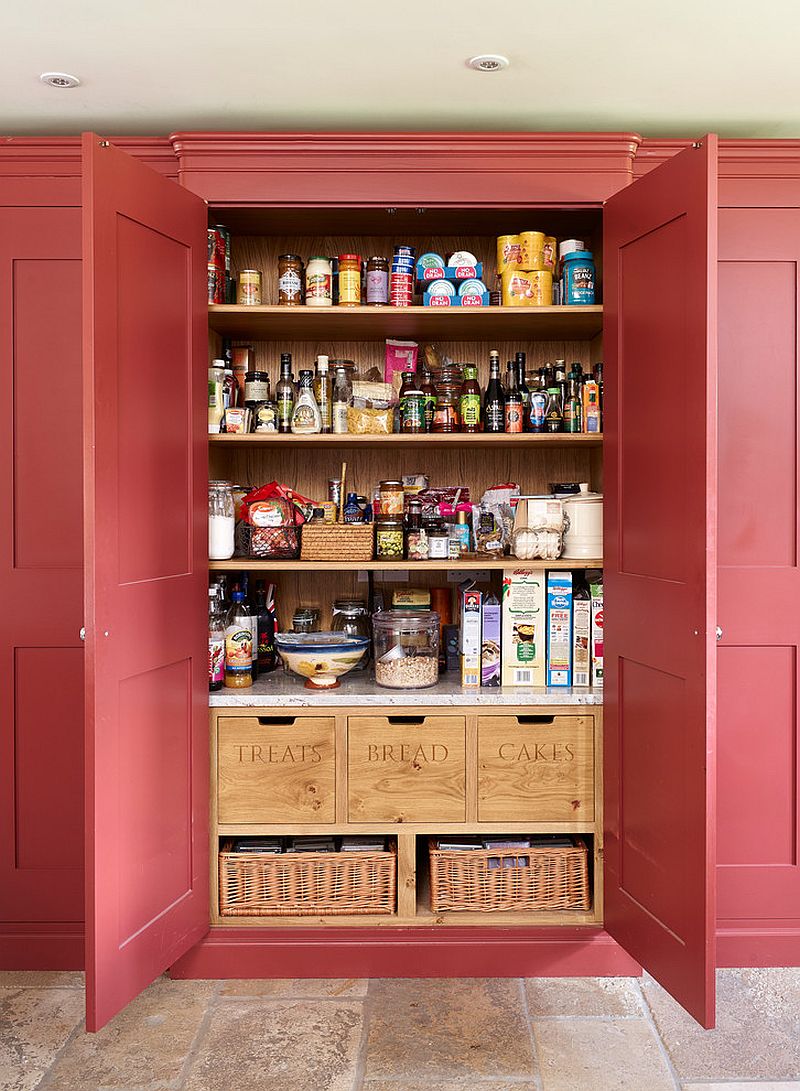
x=406, y=768
x=276, y=769
x=536, y=768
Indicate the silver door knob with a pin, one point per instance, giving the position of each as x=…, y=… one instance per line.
x=719, y=633
x=82, y=633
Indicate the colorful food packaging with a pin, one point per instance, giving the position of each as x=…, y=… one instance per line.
x=581, y=638
x=509, y=253
x=528, y=289
x=523, y=643
x=471, y=608
x=559, y=628
x=490, y=642
x=596, y=592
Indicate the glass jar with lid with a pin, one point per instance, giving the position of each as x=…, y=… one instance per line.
x=305, y=620
x=377, y=282
x=319, y=287
x=406, y=648
x=389, y=538
x=351, y=616
x=349, y=280
x=221, y=520
x=391, y=497
x=445, y=412
x=290, y=280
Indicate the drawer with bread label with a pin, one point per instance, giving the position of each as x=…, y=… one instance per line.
x=276, y=769
x=406, y=768
x=536, y=768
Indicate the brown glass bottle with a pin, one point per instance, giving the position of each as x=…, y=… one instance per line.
x=429, y=390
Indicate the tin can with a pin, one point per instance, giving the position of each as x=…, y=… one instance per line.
x=531, y=288
x=578, y=277
x=509, y=252
x=248, y=288
x=224, y=235
x=335, y=491
x=550, y=253
x=532, y=247
x=216, y=283
x=216, y=247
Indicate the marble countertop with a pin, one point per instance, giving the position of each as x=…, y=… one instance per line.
x=279, y=690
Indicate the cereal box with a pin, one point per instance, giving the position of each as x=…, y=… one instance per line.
x=559, y=628
x=523, y=628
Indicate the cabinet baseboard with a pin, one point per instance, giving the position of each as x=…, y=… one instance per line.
x=768, y=943
x=41, y=946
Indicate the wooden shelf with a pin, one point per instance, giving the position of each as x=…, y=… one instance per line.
x=325, y=324
x=471, y=564
x=455, y=440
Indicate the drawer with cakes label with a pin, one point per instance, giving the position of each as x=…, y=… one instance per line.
x=276, y=769
x=406, y=768
x=536, y=768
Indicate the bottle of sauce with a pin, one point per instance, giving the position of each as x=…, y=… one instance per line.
x=537, y=410
x=323, y=393
x=470, y=401
x=238, y=644
x=573, y=415
x=216, y=641
x=494, y=400
x=513, y=403
x=306, y=418
x=554, y=420
x=429, y=390
x=406, y=385
x=265, y=653
x=284, y=394
x=349, y=280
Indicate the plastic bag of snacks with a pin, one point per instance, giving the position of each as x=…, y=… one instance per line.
x=497, y=503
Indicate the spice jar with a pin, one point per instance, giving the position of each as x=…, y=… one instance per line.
x=390, y=497
x=349, y=280
x=377, y=281
x=221, y=521
x=319, y=289
x=406, y=648
x=290, y=280
x=248, y=288
x=389, y=538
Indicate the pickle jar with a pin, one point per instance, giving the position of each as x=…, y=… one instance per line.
x=389, y=538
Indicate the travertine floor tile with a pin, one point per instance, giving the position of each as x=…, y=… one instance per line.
x=749, y=1086
x=467, y=1083
x=144, y=1047
x=34, y=1025
x=443, y=1029
x=583, y=996
x=600, y=1055
x=41, y=979
x=297, y=987
x=281, y=1045
x=758, y=1028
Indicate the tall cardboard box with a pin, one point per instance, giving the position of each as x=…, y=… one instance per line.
x=491, y=643
x=581, y=636
x=559, y=628
x=596, y=592
x=471, y=610
x=523, y=628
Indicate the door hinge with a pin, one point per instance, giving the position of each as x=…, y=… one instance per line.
x=697, y=144
x=105, y=143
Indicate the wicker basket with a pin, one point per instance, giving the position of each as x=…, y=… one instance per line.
x=555, y=878
x=337, y=542
x=306, y=884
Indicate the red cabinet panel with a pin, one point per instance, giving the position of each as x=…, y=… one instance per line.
x=660, y=474
x=145, y=351
x=41, y=554
x=759, y=581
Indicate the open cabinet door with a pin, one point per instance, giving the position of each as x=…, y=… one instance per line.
x=660, y=271
x=145, y=360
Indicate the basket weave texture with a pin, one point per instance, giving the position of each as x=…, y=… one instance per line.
x=555, y=878
x=306, y=884
x=337, y=542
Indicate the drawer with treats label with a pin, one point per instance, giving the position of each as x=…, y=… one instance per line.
x=406, y=768
x=536, y=768
x=276, y=769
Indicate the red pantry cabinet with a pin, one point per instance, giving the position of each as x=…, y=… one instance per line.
x=146, y=793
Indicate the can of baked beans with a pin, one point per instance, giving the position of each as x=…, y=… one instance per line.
x=248, y=288
x=216, y=283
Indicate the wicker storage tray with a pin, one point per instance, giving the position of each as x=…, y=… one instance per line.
x=555, y=878
x=337, y=542
x=306, y=884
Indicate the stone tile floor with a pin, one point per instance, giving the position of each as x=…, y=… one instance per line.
x=556, y=1034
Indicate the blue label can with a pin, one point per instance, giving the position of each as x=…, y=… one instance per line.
x=578, y=278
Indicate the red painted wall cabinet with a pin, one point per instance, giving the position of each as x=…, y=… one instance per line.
x=144, y=302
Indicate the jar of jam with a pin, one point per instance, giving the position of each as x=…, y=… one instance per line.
x=445, y=412
x=290, y=280
x=389, y=537
x=349, y=280
x=377, y=282
x=390, y=495
x=256, y=388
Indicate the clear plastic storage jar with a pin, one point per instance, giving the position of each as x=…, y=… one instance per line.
x=221, y=521
x=406, y=648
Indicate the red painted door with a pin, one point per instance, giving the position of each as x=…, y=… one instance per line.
x=759, y=582
x=41, y=573
x=145, y=360
x=660, y=496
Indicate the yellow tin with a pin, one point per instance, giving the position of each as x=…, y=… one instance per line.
x=509, y=253
x=533, y=288
x=550, y=253
x=532, y=244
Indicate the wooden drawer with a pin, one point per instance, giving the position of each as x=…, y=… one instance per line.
x=536, y=768
x=276, y=769
x=406, y=768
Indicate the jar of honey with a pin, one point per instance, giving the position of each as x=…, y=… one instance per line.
x=349, y=280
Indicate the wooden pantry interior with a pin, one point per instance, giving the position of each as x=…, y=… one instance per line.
x=674, y=800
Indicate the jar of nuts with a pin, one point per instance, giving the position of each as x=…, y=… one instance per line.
x=389, y=538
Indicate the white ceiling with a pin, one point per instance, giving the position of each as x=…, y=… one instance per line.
x=156, y=66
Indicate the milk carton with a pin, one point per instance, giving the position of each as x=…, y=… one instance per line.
x=471, y=603
x=559, y=628
x=596, y=592
x=581, y=637
x=523, y=652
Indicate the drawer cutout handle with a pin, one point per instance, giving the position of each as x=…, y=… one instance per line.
x=406, y=720
x=276, y=721
x=535, y=719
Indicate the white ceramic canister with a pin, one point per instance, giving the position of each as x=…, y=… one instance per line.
x=584, y=536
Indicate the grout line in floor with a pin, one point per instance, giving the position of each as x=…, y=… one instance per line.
x=648, y=1016
x=537, y=1068
x=80, y=1028
x=199, y=1037
x=361, y=1053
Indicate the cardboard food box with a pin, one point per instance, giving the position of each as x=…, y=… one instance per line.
x=596, y=592
x=581, y=638
x=559, y=628
x=471, y=610
x=523, y=644
x=490, y=642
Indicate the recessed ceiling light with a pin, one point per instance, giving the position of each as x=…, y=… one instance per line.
x=488, y=62
x=59, y=79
